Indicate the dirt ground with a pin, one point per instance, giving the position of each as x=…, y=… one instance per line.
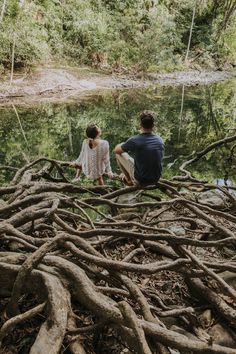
x=59, y=84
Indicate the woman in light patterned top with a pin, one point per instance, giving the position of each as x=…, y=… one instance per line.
x=94, y=158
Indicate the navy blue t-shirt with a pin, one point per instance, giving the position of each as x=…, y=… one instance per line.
x=147, y=149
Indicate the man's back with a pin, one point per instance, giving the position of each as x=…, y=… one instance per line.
x=147, y=149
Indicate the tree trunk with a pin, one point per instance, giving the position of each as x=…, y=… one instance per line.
x=3, y=10
x=191, y=31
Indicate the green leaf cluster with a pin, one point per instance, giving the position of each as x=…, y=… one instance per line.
x=151, y=34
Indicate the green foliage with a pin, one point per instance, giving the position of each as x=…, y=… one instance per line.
x=226, y=45
x=150, y=34
x=85, y=32
x=19, y=29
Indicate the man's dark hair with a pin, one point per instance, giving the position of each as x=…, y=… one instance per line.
x=147, y=119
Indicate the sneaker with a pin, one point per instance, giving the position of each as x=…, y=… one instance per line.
x=126, y=181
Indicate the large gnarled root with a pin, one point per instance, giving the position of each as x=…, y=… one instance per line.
x=52, y=332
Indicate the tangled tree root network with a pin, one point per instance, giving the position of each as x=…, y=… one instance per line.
x=103, y=269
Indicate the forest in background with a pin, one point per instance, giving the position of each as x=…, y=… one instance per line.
x=127, y=34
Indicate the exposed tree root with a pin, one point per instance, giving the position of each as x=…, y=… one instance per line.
x=12, y=322
x=98, y=266
x=200, y=154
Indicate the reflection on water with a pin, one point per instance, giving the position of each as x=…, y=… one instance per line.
x=226, y=182
x=187, y=118
x=222, y=182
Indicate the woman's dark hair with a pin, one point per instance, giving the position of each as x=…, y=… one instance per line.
x=147, y=119
x=91, y=132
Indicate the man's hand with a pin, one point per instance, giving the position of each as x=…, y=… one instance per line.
x=118, y=150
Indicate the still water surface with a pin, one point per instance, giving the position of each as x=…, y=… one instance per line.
x=188, y=118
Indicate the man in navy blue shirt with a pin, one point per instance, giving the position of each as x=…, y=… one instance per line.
x=147, y=148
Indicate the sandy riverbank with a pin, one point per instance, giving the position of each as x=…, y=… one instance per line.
x=59, y=84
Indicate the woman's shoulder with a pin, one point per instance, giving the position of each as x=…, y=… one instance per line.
x=103, y=145
x=85, y=144
x=104, y=142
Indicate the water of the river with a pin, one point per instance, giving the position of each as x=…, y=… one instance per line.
x=188, y=119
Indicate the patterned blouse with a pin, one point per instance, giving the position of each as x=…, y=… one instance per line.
x=96, y=161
